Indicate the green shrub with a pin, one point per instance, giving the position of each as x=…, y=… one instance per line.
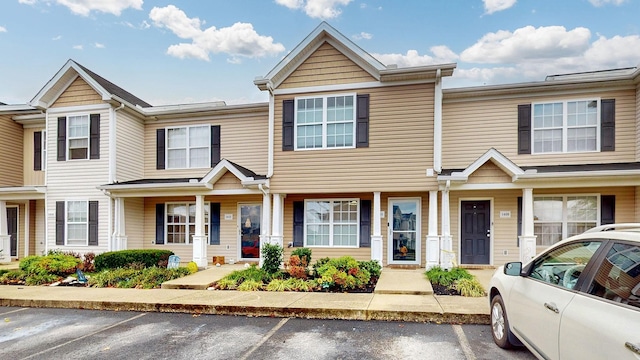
x=372, y=266
x=148, y=278
x=59, y=264
x=299, y=285
x=319, y=263
x=3, y=271
x=42, y=279
x=253, y=272
x=469, y=287
x=123, y=258
x=440, y=276
x=250, y=285
x=342, y=273
x=304, y=254
x=278, y=285
x=272, y=255
x=192, y=267
x=227, y=284
x=13, y=277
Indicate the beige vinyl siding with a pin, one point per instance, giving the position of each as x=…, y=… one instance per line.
x=470, y=128
x=326, y=66
x=638, y=122
x=489, y=173
x=33, y=219
x=505, y=230
x=78, y=93
x=228, y=181
x=11, y=144
x=244, y=140
x=134, y=224
x=77, y=180
x=40, y=228
x=31, y=177
x=400, y=149
x=129, y=147
x=229, y=230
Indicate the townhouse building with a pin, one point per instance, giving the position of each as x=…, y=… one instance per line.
x=347, y=157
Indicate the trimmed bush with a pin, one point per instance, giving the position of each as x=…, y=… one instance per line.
x=148, y=278
x=304, y=254
x=58, y=264
x=372, y=266
x=123, y=258
x=272, y=255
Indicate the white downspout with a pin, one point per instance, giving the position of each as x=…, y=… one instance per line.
x=437, y=123
x=271, y=131
x=113, y=229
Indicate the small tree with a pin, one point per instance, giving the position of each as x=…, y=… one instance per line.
x=272, y=255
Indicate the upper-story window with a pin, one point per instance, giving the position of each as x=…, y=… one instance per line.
x=568, y=126
x=78, y=139
x=188, y=147
x=325, y=122
x=43, y=158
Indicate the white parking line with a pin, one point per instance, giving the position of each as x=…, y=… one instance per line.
x=12, y=311
x=464, y=343
x=265, y=338
x=84, y=336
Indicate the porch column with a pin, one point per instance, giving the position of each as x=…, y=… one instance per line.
x=376, y=239
x=278, y=212
x=119, y=240
x=200, y=238
x=5, y=243
x=265, y=227
x=446, y=249
x=433, y=240
x=528, y=238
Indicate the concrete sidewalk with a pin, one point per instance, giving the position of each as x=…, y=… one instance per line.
x=403, y=295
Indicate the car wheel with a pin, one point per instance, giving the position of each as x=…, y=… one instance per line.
x=500, y=323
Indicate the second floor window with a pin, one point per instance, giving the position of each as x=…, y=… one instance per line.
x=188, y=147
x=325, y=122
x=78, y=137
x=569, y=126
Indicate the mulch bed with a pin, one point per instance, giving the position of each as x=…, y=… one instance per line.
x=443, y=290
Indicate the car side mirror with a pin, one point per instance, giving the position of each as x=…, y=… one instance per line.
x=513, y=268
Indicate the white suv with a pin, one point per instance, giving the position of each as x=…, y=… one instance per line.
x=580, y=299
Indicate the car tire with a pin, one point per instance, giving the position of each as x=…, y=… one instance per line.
x=500, y=324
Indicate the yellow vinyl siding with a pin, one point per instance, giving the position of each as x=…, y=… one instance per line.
x=11, y=148
x=229, y=235
x=31, y=177
x=400, y=149
x=326, y=66
x=244, y=140
x=638, y=122
x=470, y=128
x=129, y=147
x=78, y=93
x=489, y=173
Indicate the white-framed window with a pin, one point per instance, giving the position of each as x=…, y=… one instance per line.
x=78, y=138
x=43, y=150
x=77, y=221
x=566, y=126
x=181, y=222
x=556, y=217
x=325, y=122
x=189, y=147
x=331, y=222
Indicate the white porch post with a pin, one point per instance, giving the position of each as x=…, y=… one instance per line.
x=376, y=239
x=278, y=212
x=265, y=227
x=446, y=246
x=528, y=238
x=5, y=243
x=433, y=240
x=119, y=240
x=200, y=238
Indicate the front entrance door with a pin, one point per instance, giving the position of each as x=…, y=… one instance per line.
x=12, y=229
x=404, y=231
x=250, y=217
x=475, y=237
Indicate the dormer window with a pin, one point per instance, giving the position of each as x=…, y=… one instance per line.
x=78, y=139
x=325, y=122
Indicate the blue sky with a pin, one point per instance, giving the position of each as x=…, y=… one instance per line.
x=181, y=51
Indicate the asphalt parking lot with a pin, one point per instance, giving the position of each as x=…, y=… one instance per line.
x=30, y=333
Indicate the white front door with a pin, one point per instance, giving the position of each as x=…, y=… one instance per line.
x=403, y=246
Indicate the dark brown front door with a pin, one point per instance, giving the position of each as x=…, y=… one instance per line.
x=12, y=229
x=476, y=232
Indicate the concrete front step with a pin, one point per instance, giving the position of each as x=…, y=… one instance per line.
x=403, y=282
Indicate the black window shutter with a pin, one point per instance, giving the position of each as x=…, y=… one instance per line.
x=362, y=121
x=37, y=150
x=160, y=223
x=215, y=145
x=519, y=220
x=62, y=138
x=298, y=223
x=93, y=223
x=365, y=223
x=60, y=215
x=524, y=129
x=214, y=223
x=608, y=125
x=288, y=123
x=94, y=136
x=160, y=138
x=607, y=209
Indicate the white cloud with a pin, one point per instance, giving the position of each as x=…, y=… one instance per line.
x=598, y=3
x=492, y=6
x=56, y=38
x=27, y=2
x=319, y=9
x=549, y=42
x=362, y=35
x=77, y=47
x=84, y=7
x=239, y=40
x=441, y=55
x=3, y=29
x=99, y=45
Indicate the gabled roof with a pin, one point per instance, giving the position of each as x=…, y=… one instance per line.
x=246, y=176
x=508, y=166
x=68, y=73
x=326, y=33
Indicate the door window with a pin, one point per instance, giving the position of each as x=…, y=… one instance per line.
x=250, y=218
x=618, y=278
x=405, y=225
x=563, y=266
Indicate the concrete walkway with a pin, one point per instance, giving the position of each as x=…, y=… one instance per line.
x=403, y=295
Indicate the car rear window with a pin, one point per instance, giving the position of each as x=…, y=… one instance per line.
x=618, y=278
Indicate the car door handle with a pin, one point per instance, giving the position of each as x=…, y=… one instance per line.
x=552, y=307
x=633, y=347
